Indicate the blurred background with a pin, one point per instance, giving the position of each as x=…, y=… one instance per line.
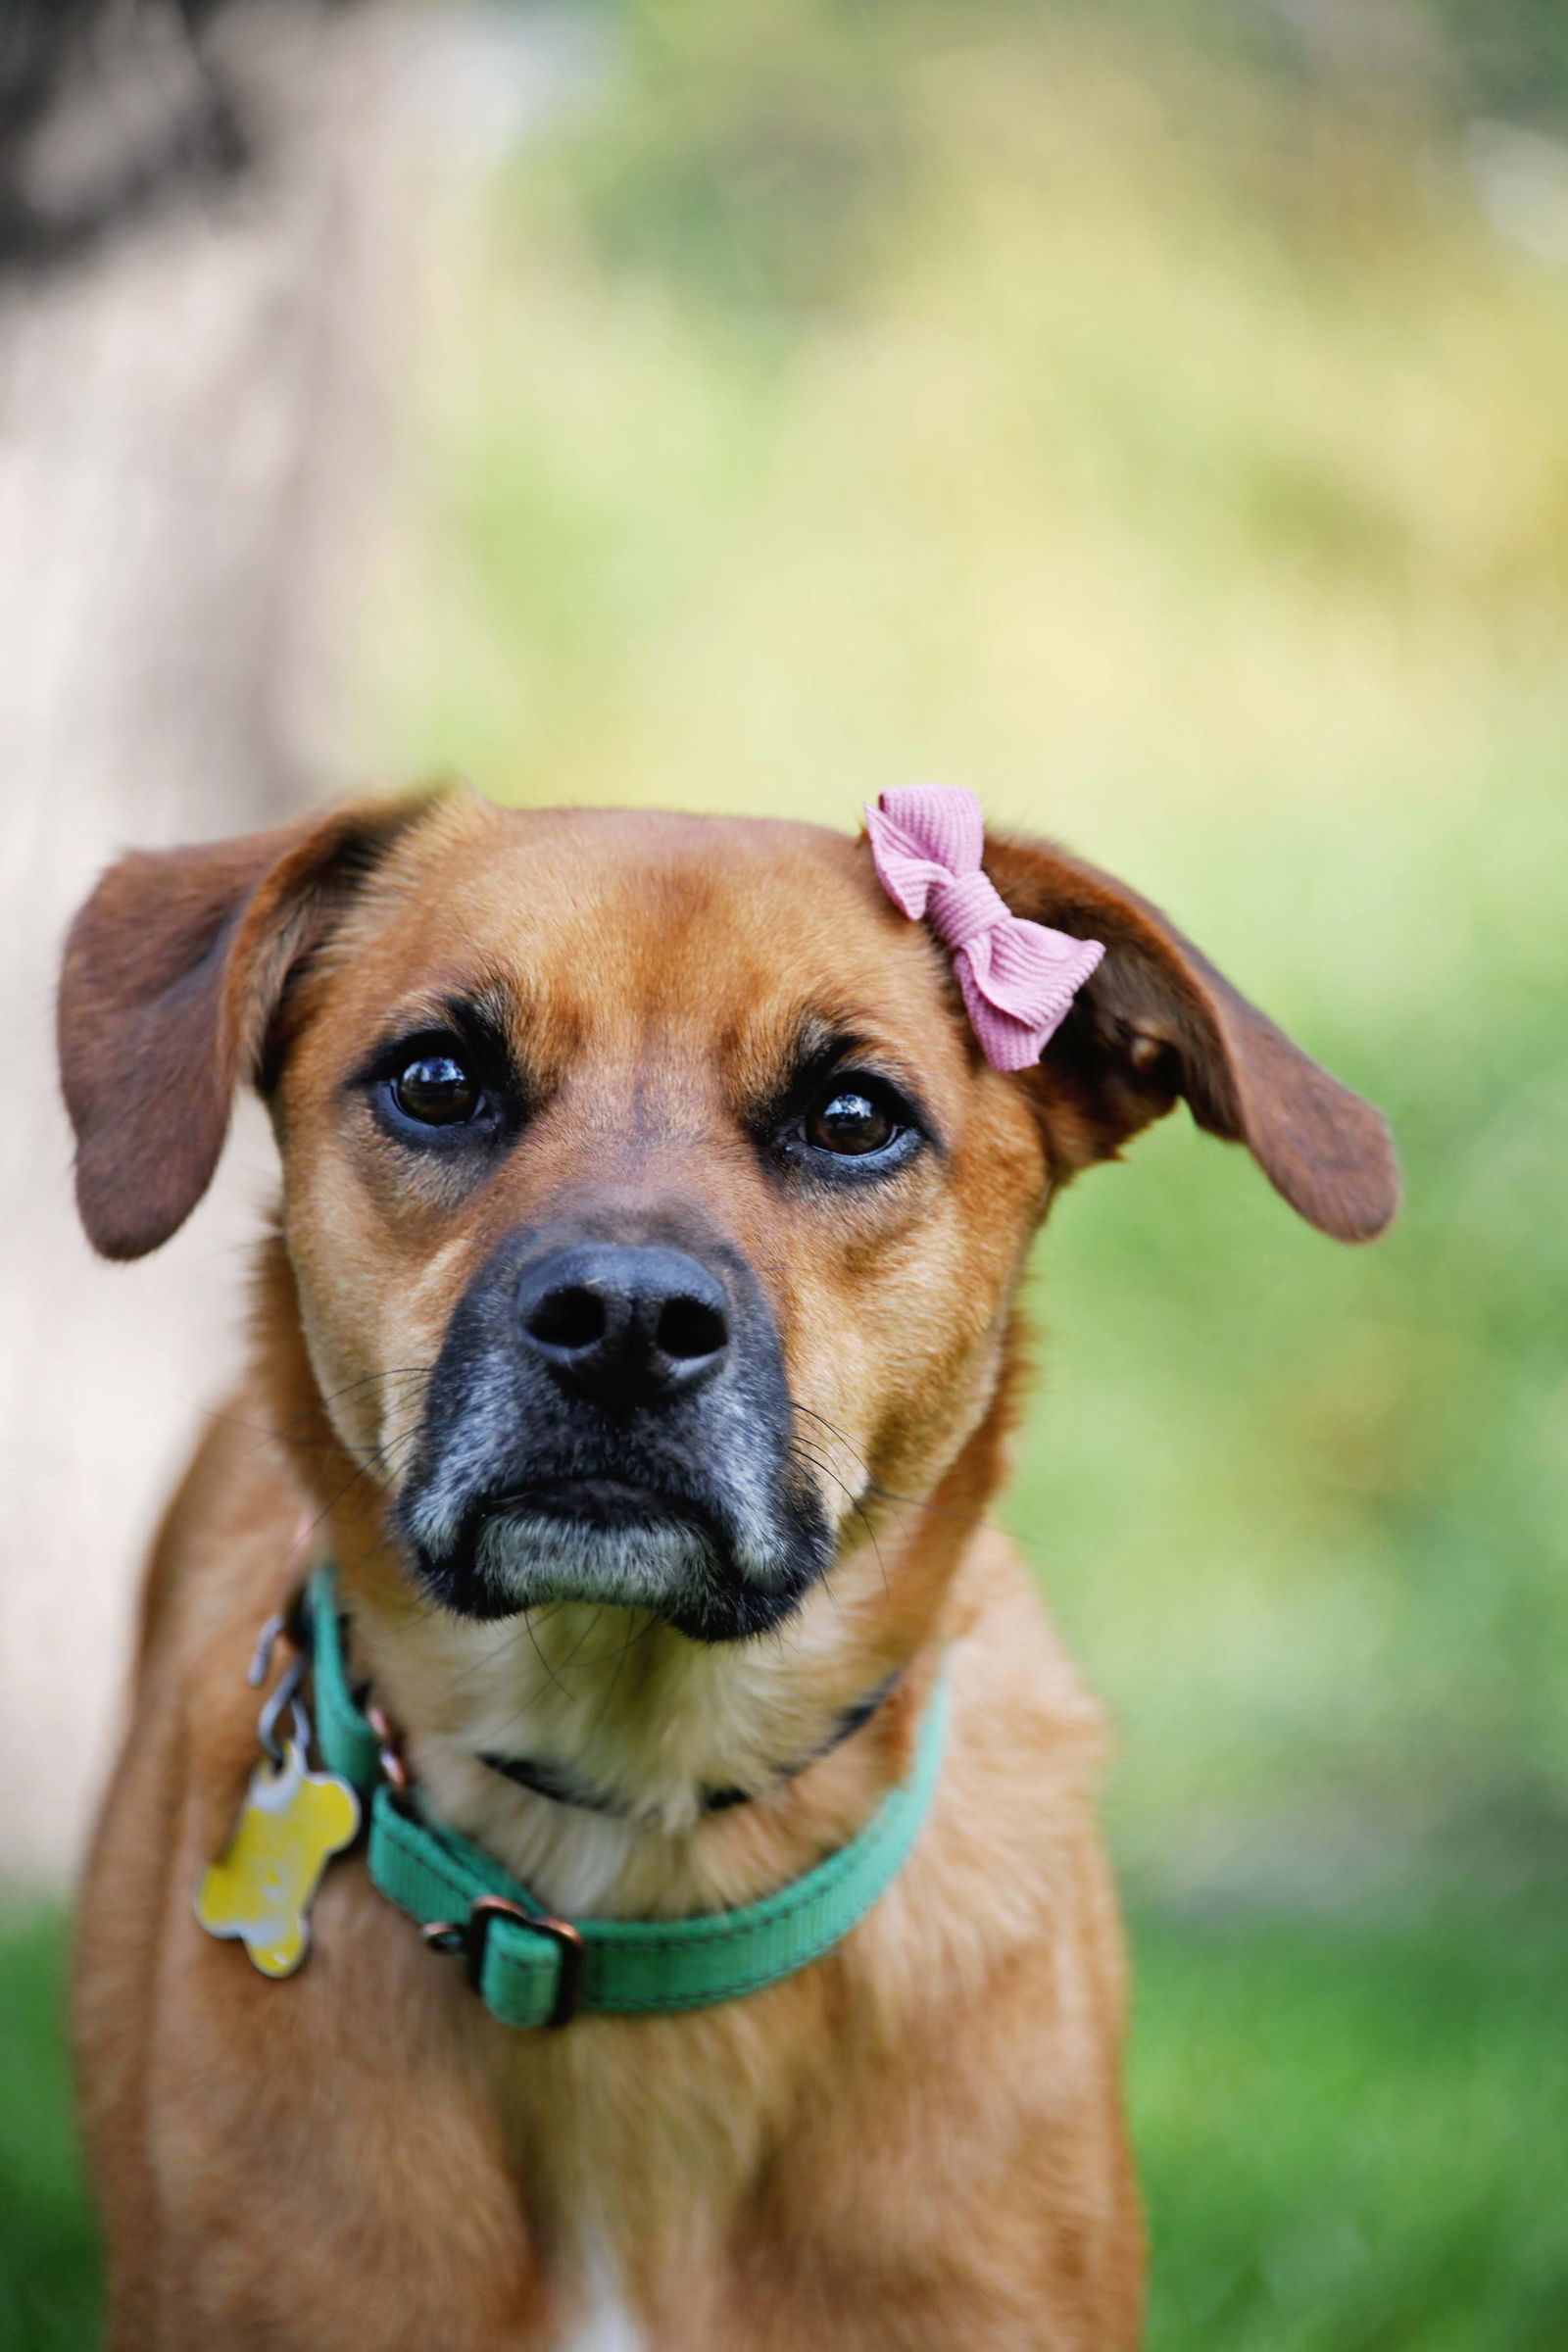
x=1153, y=414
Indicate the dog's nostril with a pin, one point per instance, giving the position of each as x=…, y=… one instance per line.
x=625, y=1325
x=569, y=1318
x=686, y=1328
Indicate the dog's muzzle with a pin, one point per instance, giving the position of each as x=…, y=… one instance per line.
x=608, y=1420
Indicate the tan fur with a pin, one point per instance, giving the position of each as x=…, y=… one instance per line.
x=915, y=2143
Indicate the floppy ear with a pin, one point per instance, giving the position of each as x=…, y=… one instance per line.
x=1156, y=1021
x=173, y=972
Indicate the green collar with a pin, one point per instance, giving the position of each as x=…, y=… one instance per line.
x=533, y=1969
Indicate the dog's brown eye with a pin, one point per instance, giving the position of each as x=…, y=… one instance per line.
x=850, y=1122
x=436, y=1090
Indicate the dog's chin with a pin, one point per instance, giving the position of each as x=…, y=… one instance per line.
x=604, y=1542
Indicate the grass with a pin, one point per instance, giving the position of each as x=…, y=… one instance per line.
x=1349, y=2133
x=1351, y=2137
x=48, y=2251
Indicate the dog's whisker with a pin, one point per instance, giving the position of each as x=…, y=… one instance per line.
x=937, y=1511
x=858, y=1508
x=798, y=1448
x=617, y=1658
x=490, y=1657
x=571, y=1657
x=527, y=1619
x=286, y=1434
x=884, y=1493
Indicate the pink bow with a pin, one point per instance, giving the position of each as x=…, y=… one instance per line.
x=1017, y=977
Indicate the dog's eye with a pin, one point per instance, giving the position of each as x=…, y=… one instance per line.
x=436, y=1090
x=852, y=1120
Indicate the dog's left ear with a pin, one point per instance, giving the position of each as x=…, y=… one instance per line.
x=1157, y=1021
x=173, y=974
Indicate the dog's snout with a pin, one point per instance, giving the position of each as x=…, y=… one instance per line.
x=625, y=1326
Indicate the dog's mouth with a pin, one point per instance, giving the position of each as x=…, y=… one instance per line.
x=603, y=1502
x=603, y=1538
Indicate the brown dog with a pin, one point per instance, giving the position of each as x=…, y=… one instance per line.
x=705, y=1539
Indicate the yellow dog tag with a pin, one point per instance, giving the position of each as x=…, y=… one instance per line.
x=261, y=1889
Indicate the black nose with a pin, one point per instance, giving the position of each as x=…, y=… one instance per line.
x=625, y=1326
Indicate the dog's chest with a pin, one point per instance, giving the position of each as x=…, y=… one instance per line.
x=604, y=2321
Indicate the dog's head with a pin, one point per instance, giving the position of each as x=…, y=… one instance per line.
x=652, y=1214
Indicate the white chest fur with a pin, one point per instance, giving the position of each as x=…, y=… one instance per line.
x=603, y=2322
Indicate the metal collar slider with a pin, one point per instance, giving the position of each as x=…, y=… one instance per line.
x=471, y=1937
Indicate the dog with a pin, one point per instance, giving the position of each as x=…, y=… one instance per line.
x=636, y=1347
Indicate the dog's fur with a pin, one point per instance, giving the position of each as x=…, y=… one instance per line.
x=917, y=2142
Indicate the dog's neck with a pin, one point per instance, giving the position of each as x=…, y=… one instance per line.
x=564, y=1787
x=615, y=1703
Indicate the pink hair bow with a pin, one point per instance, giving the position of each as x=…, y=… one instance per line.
x=1017, y=977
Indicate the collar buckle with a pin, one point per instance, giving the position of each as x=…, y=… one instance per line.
x=472, y=1938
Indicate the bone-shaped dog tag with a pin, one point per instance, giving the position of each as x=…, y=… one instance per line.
x=292, y=1823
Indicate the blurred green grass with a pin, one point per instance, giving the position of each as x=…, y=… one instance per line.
x=48, y=2250
x=1349, y=2133
x=1139, y=416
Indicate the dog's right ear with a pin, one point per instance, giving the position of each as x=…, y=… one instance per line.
x=1155, y=1021
x=173, y=972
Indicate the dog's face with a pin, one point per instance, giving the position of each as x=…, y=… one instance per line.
x=654, y=1218
x=663, y=1151
x=661, y=1147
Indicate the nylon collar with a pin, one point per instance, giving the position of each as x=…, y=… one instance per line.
x=531, y=1968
